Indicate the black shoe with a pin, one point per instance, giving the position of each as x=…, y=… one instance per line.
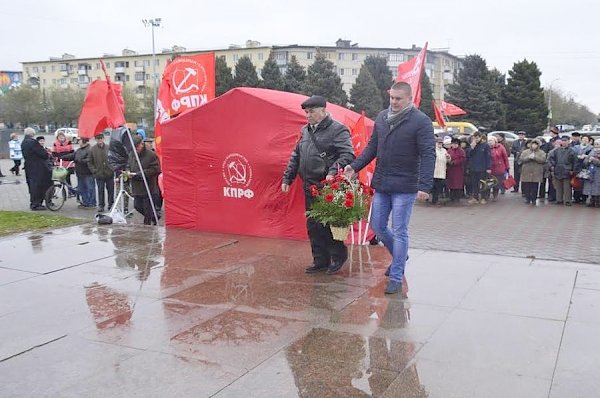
x=335, y=266
x=313, y=269
x=38, y=208
x=558, y=203
x=387, y=271
x=568, y=204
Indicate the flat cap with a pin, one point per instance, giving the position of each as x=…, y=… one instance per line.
x=316, y=101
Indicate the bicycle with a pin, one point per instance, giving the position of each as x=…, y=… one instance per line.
x=60, y=190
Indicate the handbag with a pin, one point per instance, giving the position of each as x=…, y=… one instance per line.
x=576, y=183
x=509, y=182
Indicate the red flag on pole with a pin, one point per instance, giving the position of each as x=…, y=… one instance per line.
x=187, y=83
x=103, y=107
x=411, y=72
x=451, y=110
x=360, y=139
x=439, y=118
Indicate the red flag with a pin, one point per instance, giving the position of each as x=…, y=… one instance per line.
x=439, y=118
x=411, y=72
x=103, y=107
x=187, y=83
x=360, y=139
x=451, y=110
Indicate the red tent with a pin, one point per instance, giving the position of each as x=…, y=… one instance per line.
x=223, y=164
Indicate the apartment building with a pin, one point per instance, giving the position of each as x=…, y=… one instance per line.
x=136, y=70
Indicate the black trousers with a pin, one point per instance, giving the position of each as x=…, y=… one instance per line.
x=530, y=189
x=517, y=168
x=438, y=189
x=142, y=204
x=324, y=248
x=475, y=177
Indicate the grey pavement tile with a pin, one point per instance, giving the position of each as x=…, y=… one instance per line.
x=585, y=306
x=9, y=275
x=578, y=362
x=432, y=379
x=588, y=279
x=47, y=370
x=154, y=374
x=442, y=278
x=505, y=343
x=523, y=290
x=562, y=264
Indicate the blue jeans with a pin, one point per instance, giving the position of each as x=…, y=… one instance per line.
x=400, y=205
x=87, y=189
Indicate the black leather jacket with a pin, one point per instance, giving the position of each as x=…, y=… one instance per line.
x=333, y=138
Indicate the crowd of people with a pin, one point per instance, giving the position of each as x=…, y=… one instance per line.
x=90, y=164
x=563, y=169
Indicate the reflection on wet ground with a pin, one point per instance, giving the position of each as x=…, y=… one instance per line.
x=135, y=311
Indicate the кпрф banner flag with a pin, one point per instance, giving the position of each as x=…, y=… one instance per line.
x=410, y=72
x=187, y=83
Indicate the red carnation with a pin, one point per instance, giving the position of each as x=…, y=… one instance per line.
x=349, y=195
x=348, y=203
x=329, y=198
x=314, y=191
x=335, y=186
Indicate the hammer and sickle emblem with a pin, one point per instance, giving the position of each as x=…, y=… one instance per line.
x=181, y=88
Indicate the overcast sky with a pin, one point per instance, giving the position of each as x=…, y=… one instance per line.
x=560, y=36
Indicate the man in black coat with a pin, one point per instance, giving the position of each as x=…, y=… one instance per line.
x=325, y=147
x=37, y=172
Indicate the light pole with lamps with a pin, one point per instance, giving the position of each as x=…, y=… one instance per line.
x=550, y=102
x=155, y=22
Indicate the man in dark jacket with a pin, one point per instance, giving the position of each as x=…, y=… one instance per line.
x=562, y=165
x=404, y=145
x=480, y=165
x=325, y=147
x=85, y=179
x=37, y=173
x=151, y=167
x=98, y=164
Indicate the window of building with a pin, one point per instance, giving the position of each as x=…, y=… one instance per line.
x=108, y=65
x=34, y=69
x=62, y=82
x=280, y=56
x=140, y=76
x=249, y=56
x=261, y=56
x=43, y=69
x=396, y=57
x=157, y=62
x=354, y=71
x=341, y=56
x=146, y=62
x=309, y=55
x=147, y=76
x=354, y=57
x=235, y=57
x=137, y=63
x=71, y=68
x=27, y=69
x=52, y=68
x=259, y=71
x=44, y=81
x=126, y=78
x=341, y=71
x=53, y=81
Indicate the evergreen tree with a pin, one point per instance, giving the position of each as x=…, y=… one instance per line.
x=472, y=91
x=245, y=73
x=364, y=94
x=526, y=108
x=223, y=76
x=498, y=85
x=295, y=77
x=271, y=75
x=426, y=105
x=382, y=75
x=321, y=79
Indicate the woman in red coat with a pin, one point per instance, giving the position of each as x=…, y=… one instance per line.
x=500, y=166
x=455, y=171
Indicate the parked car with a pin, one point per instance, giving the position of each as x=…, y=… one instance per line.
x=509, y=135
x=69, y=132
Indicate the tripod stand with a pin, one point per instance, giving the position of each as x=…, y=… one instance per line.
x=122, y=197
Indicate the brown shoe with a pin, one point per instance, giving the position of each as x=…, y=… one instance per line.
x=472, y=201
x=482, y=201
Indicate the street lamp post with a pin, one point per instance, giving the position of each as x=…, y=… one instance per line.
x=550, y=103
x=155, y=22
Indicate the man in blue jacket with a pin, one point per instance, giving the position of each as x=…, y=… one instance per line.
x=404, y=145
x=480, y=165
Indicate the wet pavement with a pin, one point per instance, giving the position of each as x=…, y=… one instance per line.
x=138, y=311
x=499, y=302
